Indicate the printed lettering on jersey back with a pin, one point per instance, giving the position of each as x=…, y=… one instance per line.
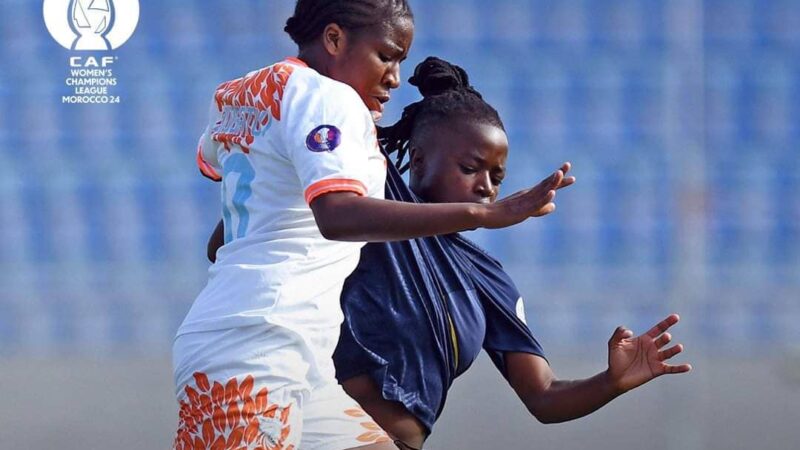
x=249, y=105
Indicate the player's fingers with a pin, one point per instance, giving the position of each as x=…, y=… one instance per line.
x=558, y=177
x=544, y=210
x=567, y=181
x=663, y=326
x=670, y=352
x=539, y=200
x=566, y=167
x=663, y=340
x=547, y=182
x=619, y=334
x=682, y=368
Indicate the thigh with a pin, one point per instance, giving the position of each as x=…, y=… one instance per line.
x=334, y=421
x=239, y=412
x=392, y=416
x=243, y=389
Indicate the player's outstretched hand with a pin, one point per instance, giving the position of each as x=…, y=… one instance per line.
x=534, y=202
x=633, y=361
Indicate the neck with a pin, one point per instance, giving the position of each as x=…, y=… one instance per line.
x=316, y=58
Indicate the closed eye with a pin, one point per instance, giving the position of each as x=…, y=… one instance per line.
x=467, y=170
x=383, y=57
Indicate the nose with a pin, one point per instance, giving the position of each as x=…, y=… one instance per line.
x=391, y=78
x=483, y=184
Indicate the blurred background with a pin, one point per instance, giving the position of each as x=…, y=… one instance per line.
x=680, y=118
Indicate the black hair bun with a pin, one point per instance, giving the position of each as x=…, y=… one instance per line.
x=436, y=76
x=291, y=23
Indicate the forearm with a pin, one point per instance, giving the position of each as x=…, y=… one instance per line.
x=567, y=400
x=350, y=218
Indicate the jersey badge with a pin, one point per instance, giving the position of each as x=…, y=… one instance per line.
x=324, y=138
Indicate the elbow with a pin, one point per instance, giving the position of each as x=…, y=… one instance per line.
x=541, y=412
x=533, y=408
x=539, y=416
x=325, y=220
x=335, y=231
x=329, y=232
x=544, y=420
x=332, y=219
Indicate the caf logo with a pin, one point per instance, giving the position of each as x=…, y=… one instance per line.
x=91, y=24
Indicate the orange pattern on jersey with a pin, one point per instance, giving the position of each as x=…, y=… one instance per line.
x=263, y=90
x=374, y=433
x=229, y=417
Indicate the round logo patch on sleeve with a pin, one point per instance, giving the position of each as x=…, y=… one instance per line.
x=324, y=138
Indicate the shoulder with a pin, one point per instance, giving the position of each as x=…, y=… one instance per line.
x=476, y=253
x=263, y=88
x=488, y=274
x=307, y=85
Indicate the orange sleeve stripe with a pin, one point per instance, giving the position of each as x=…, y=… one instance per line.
x=205, y=168
x=334, y=185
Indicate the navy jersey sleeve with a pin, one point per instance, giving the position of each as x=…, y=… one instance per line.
x=506, y=330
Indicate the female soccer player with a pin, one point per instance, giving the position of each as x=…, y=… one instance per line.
x=294, y=145
x=418, y=312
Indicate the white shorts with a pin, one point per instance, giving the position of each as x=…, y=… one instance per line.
x=262, y=387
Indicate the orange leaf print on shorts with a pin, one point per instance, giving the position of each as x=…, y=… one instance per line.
x=374, y=433
x=226, y=416
x=355, y=412
x=202, y=381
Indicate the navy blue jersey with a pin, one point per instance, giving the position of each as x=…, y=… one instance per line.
x=418, y=312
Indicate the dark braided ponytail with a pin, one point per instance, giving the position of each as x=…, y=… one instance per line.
x=312, y=16
x=447, y=96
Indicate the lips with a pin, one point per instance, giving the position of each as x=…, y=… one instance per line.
x=377, y=108
x=381, y=100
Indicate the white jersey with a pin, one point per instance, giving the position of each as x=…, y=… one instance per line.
x=278, y=138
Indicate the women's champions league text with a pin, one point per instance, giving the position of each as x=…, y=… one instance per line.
x=91, y=80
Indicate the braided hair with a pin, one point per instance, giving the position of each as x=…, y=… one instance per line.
x=447, y=96
x=312, y=16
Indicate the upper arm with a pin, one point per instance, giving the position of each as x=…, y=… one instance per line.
x=327, y=208
x=326, y=139
x=529, y=375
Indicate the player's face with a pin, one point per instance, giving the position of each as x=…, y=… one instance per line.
x=370, y=63
x=459, y=163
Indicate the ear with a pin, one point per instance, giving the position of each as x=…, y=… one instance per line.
x=334, y=39
x=416, y=162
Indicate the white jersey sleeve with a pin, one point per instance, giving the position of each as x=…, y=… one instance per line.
x=207, y=160
x=326, y=142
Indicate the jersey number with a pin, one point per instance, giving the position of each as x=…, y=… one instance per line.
x=237, y=163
